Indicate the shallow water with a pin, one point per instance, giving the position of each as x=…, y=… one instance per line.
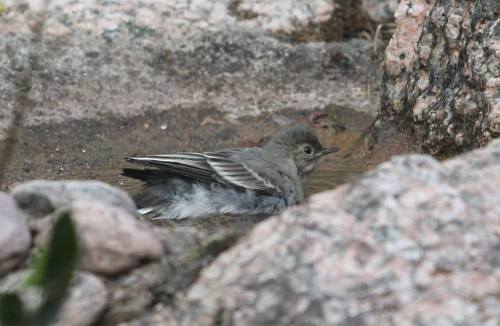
x=96, y=149
x=336, y=169
x=333, y=170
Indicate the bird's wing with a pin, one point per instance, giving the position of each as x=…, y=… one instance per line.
x=236, y=172
x=221, y=167
x=191, y=165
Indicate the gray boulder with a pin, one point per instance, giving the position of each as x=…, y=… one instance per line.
x=413, y=242
x=42, y=197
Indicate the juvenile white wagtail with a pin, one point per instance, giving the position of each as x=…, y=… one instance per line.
x=240, y=181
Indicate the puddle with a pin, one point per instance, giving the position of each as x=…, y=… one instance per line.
x=96, y=149
x=333, y=170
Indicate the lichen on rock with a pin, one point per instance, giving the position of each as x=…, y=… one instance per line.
x=441, y=74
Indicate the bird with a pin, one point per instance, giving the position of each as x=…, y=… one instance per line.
x=248, y=181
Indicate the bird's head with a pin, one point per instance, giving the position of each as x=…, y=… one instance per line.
x=301, y=144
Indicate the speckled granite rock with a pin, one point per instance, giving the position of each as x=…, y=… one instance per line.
x=181, y=18
x=441, y=73
x=42, y=197
x=15, y=237
x=86, y=301
x=287, y=17
x=413, y=242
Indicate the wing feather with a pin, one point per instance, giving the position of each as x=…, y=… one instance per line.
x=238, y=173
x=220, y=167
x=191, y=165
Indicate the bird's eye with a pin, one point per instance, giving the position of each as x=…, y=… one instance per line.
x=308, y=150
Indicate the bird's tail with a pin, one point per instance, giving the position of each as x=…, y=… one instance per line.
x=139, y=174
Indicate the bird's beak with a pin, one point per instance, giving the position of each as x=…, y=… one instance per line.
x=329, y=150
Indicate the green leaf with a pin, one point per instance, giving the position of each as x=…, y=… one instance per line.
x=37, y=265
x=53, y=270
x=11, y=310
x=57, y=262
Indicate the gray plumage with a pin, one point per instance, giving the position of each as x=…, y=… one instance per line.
x=241, y=181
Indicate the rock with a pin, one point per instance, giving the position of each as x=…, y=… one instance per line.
x=380, y=11
x=280, y=17
x=15, y=237
x=287, y=17
x=413, y=242
x=42, y=197
x=441, y=74
x=112, y=240
x=142, y=295
x=86, y=301
x=132, y=294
